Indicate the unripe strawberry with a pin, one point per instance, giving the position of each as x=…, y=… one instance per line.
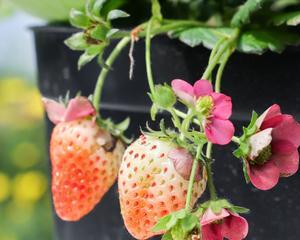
x=153, y=182
x=85, y=158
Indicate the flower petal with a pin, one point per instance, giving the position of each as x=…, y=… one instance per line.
x=202, y=88
x=54, y=110
x=272, y=111
x=209, y=216
x=183, y=161
x=79, y=107
x=274, y=121
x=288, y=130
x=211, y=232
x=234, y=227
x=264, y=177
x=222, y=105
x=286, y=157
x=219, y=131
x=259, y=141
x=183, y=90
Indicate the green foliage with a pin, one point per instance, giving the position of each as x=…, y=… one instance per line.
x=217, y=205
x=289, y=18
x=95, y=21
x=242, y=16
x=242, y=151
x=117, y=130
x=204, y=35
x=177, y=225
x=259, y=41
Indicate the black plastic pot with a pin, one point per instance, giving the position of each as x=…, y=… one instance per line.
x=254, y=82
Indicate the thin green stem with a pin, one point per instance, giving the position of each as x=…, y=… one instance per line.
x=110, y=60
x=221, y=69
x=210, y=181
x=215, y=60
x=176, y=120
x=192, y=178
x=148, y=58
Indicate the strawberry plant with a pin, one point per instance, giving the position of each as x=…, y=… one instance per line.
x=166, y=170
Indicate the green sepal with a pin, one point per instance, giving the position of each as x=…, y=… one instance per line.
x=164, y=96
x=116, y=13
x=239, y=209
x=116, y=129
x=167, y=236
x=99, y=32
x=97, y=7
x=289, y=18
x=85, y=58
x=245, y=171
x=156, y=10
x=78, y=19
x=153, y=111
x=77, y=42
x=112, y=32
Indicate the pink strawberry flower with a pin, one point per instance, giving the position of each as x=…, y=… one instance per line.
x=216, y=108
x=78, y=107
x=273, y=149
x=226, y=224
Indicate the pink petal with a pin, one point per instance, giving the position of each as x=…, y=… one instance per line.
x=202, y=88
x=211, y=232
x=79, y=107
x=209, y=216
x=54, y=110
x=183, y=161
x=183, y=90
x=264, y=177
x=234, y=227
x=288, y=130
x=222, y=105
x=219, y=131
x=274, y=121
x=272, y=111
x=286, y=157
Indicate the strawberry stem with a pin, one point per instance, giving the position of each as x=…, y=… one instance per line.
x=192, y=178
x=210, y=181
x=148, y=58
x=110, y=60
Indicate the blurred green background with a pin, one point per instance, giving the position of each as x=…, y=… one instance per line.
x=25, y=209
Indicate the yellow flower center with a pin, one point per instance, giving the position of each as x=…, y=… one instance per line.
x=205, y=105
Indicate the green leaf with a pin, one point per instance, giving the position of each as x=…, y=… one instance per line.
x=85, y=58
x=167, y=236
x=258, y=41
x=77, y=42
x=116, y=13
x=156, y=10
x=290, y=19
x=206, y=36
x=112, y=32
x=242, y=16
x=79, y=19
x=95, y=49
x=99, y=33
x=164, y=96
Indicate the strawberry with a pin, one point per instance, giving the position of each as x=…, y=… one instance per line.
x=85, y=158
x=153, y=182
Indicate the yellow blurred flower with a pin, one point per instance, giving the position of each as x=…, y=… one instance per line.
x=25, y=155
x=20, y=103
x=4, y=187
x=29, y=187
